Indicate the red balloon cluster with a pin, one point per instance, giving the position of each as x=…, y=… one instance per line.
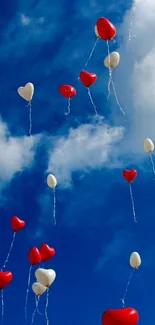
x=44, y=253
x=105, y=30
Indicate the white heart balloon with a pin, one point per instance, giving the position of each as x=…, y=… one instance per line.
x=38, y=288
x=51, y=181
x=45, y=277
x=27, y=91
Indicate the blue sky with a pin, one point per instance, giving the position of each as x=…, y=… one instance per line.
x=48, y=44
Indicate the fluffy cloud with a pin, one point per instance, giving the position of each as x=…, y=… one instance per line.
x=87, y=147
x=136, y=73
x=16, y=153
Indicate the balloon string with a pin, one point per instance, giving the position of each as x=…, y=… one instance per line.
x=91, y=53
x=46, y=315
x=30, y=118
x=152, y=162
x=117, y=101
x=68, y=107
x=54, y=207
x=37, y=299
x=90, y=96
x=27, y=291
x=2, y=303
x=10, y=249
x=126, y=290
x=110, y=72
x=35, y=310
x=133, y=12
x=132, y=201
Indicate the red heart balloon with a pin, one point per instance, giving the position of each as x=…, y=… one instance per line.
x=87, y=78
x=129, y=175
x=67, y=91
x=46, y=252
x=5, y=278
x=127, y=316
x=17, y=224
x=34, y=256
x=105, y=29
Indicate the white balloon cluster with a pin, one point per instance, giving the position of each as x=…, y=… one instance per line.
x=44, y=280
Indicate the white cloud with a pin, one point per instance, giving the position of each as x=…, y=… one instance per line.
x=135, y=77
x=15, y=153
x=87, y=147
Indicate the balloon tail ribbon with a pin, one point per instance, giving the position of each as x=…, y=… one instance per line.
x=126, y=290
x=46, y=315
x=9, y=252
x=30, y=118
x=152, y=162
x=90, y=96
x=130, y=36
x=110, y=72
x=37, y=299
x=68, y=107
x=27, y=291
x=2, y=303
x=117, y=101
x=91, y=54
x=133, y=205
x=54, y=207
x=35, y=310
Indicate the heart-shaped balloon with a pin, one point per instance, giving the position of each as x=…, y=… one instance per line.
x=87, y=78
x=34, y=256
x=46, y=252
x=129, y=175
x=17, y=224
x=5, y=278
x=45, y=277
x=38, y=288
x=105, y=29
x=127, y=316
x=67, y=91
x=27, y=91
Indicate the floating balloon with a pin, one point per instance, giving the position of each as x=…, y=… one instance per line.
x=67, y=91
x=45, y=277
x=112, y=60
x=128, y=316
x=46, y=252
x=38, y=288
x=135, y=260
x=149, y=147
x=17, y=224
x=130, y=175
x=105, y=29
x=34, y=257
x=88, y=80
x=27, y=93
x=52, y=183
x=5, y=278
